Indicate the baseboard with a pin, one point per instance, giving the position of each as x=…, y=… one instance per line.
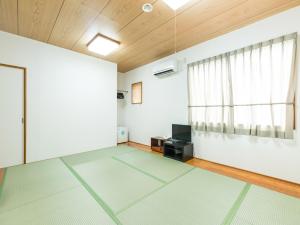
x=139, y=143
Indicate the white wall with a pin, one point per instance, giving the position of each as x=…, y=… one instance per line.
x=72, y=105
x=165, y=102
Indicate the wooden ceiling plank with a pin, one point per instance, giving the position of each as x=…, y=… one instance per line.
x=161, y=34
x=145, y=37
x=235, y=18
x=142, y=30
x=240, y=15
x=124, y=11
x=110, y=26
x=205, y=10
x=146, y=22
x=37, y=18
x=249, y=21
x=74, y=19
x=137, y=28
x=9, y=16
x=116, y=15
x=159, y=51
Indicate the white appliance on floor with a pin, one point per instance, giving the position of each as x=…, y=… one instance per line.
x=122, y=134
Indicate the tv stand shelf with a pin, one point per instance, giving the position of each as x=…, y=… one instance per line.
x=181, y=151
x=157, y=144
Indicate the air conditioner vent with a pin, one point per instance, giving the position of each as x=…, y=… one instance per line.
x=165, y=68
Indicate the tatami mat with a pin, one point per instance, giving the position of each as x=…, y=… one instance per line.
x=130, y=187
x=264, y=207
x=96, y=154
x=199, y=197
x=72, y=207
x=163, y=168
x=117, y=184
x=30, y=182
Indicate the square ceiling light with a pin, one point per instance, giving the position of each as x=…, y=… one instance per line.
x=103, y=45
x=175, y=4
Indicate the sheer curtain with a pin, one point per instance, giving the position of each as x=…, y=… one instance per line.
x=248, y=91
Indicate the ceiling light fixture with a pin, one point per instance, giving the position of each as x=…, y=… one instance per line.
x=103, y=45
x=148, y=7
x=175, y=4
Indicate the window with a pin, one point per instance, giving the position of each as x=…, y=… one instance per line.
x=248, y=91
x=136, y=93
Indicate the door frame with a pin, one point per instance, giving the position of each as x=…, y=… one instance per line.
x=24, y=69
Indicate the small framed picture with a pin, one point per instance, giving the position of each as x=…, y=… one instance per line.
x=136, y=93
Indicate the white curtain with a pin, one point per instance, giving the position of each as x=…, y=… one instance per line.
x=248, y=91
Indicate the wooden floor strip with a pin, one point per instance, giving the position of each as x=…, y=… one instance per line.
x=275, y=184
x=1, y=176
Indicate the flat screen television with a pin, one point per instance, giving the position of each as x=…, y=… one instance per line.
x=182, y=132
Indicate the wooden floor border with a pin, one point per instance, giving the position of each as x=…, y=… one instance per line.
x=272, y=183
x=1, y=176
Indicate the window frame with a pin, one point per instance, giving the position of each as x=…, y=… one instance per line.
x=140, y=86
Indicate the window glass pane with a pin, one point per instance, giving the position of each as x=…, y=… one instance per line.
x=247, y=89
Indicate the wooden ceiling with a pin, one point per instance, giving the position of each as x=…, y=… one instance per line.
x=144, y=37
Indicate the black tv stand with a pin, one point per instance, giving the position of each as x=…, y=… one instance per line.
x=177, y=141
x=178, y=150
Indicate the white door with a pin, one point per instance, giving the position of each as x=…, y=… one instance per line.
x=11, y=115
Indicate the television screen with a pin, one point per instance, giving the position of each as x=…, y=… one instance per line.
x=182, y=132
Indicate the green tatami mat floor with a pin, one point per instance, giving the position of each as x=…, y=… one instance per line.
x=163, y=168
x=27, y=183
x=71, y=207
x=199, y=197
x=122, y=185
x=117, y=184
x=94, y=155
x=264, y=207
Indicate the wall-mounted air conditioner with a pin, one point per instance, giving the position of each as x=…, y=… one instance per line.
x=166, y=68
